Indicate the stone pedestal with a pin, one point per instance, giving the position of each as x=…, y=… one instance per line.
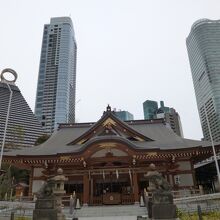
x=162, y=205
x=46, y=209
x=164, y=211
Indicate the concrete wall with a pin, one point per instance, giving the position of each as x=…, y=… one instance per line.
x=185, y=179
x=37, y=184
x=184, y=165
x=37, y=172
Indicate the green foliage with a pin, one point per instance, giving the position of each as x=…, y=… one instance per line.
x=179, y=213
x=41, y=139
x=212, y=215
x=22, y=218
x=6, y=184
x=19, y=175
x=17, y=133
x=10, y=178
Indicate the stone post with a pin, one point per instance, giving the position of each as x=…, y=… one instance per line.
x=72, y=203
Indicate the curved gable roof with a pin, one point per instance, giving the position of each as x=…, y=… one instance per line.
x=154, y=134
x=110, y=120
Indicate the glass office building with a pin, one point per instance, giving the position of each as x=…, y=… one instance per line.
x=203, y=45
x=124, y=115
x=55, y=98
x=150, y=109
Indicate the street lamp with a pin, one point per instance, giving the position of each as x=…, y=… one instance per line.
x=8, y=83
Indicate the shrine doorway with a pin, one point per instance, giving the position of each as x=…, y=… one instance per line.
x=109, y=186
x=112, y=192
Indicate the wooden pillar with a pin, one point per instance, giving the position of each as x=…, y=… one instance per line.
x=85, y=189
x=135, y=188
x=91, y=190
x=31, y=182
x=193, y=174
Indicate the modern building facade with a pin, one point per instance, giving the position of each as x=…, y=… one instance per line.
x=150, y=108
x=124, y=115
x=55, y=98
x=203, y=45
x=23, y=127
x=170, y=116
x=172, y=120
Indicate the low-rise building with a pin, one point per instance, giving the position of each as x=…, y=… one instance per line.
x=109, y=158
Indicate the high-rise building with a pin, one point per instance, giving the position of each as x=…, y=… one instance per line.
x=170, y=116
x=23, y=127
x=203, y=45
x=55, y=98
x=124, y=115
x=172, y=120
x=150, y=108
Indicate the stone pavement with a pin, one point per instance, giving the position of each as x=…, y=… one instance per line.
x=110, y=218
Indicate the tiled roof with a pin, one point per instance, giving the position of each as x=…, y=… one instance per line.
x=163, y=138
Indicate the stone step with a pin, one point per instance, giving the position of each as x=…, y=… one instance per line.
x=105, y=211
x=108, y=218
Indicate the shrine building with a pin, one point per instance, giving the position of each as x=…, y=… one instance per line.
x=106, y=161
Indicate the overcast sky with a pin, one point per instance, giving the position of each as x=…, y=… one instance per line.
x=128, y=51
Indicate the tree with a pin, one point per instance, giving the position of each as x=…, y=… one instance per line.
x=10, y=178
x=41, y=139
x=17, y=134
x=6, y=183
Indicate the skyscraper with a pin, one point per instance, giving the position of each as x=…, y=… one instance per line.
x=124, y=115
x=23, y=127
x=203, y=44
x=55, y=98
x=150, y=108
x=170, y=116
x=172, y=120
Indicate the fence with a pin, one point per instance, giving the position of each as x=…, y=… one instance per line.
x=188, y=204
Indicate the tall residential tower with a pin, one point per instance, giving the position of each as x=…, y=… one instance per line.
x=203, y=44
x=23, y=127
x=55, y=99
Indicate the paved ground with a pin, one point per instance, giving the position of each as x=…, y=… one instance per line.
x=4, y=218
x=95, y=218
x=110, y=218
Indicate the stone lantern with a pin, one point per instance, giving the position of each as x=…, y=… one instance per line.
x=59, y=181
x=49, y=199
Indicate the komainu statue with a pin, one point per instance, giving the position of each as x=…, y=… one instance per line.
x=46, y=191
x=156, y=180
x=160, y=206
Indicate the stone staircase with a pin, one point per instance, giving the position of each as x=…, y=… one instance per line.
x=117, y=212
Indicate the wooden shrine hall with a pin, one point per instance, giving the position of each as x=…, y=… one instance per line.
x=106, y=161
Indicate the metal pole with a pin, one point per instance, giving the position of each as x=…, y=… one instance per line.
x=6, y=124
x=213, y=146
